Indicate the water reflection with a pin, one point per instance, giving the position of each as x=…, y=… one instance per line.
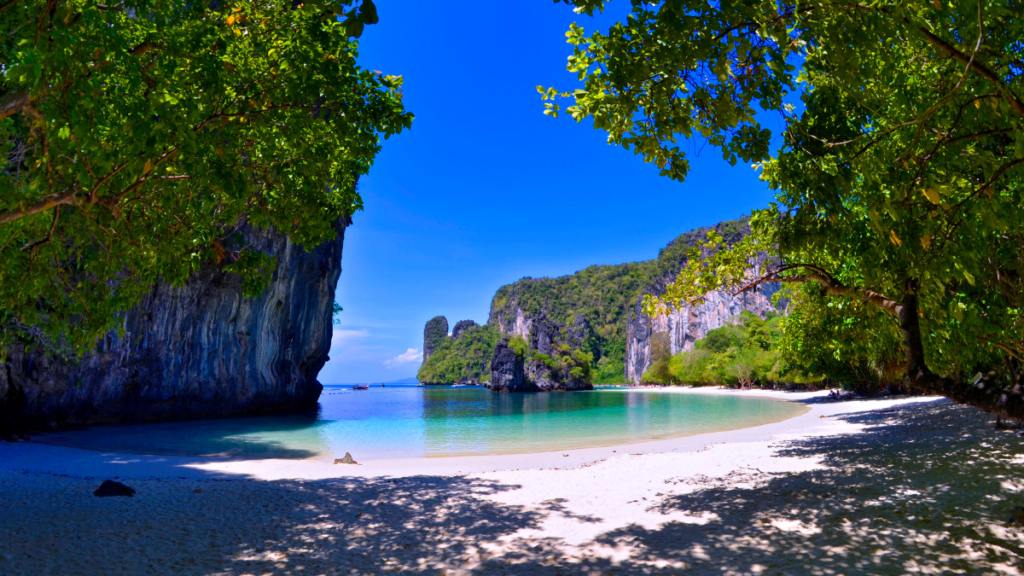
x=410, y=422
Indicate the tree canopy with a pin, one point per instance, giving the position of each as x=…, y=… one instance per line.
x=898, y=169
x=137, y=137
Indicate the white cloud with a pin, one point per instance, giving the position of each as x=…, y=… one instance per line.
x=410, y=355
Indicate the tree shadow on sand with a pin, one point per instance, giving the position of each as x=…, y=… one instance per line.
x=926, y=489
x=917, y=492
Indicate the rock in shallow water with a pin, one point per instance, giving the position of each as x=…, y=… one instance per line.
x=507, y=373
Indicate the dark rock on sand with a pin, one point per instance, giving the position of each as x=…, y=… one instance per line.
x=111, y=488
x=1017, y=516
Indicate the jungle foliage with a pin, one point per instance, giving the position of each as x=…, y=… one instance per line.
x=899, y=169
x=604, y=295
x=817, y=343
x=744, y=351
x=137, y=137
x=463, y=359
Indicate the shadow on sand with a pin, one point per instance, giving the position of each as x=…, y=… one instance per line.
x=925, y=488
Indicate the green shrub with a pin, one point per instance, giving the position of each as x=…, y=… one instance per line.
x=518, y=345
x=744, y=351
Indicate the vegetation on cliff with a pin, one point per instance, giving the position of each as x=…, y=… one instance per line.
x=463, y=359
x=138, y=137
x=744, y=351
x=564, y=364
x=817, y=343
x=898, y=176
x=435, y=333
x=604, y=295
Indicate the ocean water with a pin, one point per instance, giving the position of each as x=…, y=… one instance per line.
x=407, y=421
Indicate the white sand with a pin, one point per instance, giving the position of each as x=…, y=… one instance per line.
x=888, y=486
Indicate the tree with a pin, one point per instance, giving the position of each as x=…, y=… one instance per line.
x=138, y=137
x=898, y=170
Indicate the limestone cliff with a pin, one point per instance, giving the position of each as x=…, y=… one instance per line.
x=596, y=310
x=685, y=326
x=200, y=350
x=461, y=326
x=605, y=299
x=435, y=332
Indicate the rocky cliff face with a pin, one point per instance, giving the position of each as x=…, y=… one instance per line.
x=599, y=309
x=551, y=363
x=435, y=331
x=201, y=350
x=507, y=371
x=460, y=327
x=681, y=328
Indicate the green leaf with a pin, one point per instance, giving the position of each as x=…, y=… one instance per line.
x=368, y=12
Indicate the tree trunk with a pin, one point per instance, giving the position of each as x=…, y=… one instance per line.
x=986, y=393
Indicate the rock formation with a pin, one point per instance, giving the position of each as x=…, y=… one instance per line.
x=507, y=371
x=598, y=308
x=552, y=362
x=199, y=350
x=461, y=327
x=434, y=334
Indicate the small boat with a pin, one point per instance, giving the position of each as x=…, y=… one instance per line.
x=361, y=387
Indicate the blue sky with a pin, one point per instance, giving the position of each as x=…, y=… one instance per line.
x=485, y=189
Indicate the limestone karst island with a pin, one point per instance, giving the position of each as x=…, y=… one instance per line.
x=594, y=287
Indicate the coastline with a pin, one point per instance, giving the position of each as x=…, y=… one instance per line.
x=55, y=459
x=890, y=485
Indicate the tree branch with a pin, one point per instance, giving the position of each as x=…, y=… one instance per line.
x=52, y=201
x=831, y=285
x=13, y=104
x=8, y=4
x=49, y=235
x=984, y=71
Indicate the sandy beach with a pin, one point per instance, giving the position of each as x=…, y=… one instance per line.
x=881, y=486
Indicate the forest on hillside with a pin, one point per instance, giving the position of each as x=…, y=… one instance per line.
x=604, y=295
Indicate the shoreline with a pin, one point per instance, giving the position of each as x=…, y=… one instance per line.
x=86, y=463
x=855, y=487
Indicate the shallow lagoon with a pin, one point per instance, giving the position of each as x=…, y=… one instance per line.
x=407, y=421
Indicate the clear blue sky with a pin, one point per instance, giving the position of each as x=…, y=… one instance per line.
x=485, y=189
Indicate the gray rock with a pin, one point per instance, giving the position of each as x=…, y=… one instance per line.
x=199, y=350
x=545, y=334
x=507, y=374
x=579, y=332
x=461, y=327
x=110, y=488
x=434, y=334
x=686, y=326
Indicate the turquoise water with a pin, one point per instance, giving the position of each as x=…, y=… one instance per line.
x=396, y=422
